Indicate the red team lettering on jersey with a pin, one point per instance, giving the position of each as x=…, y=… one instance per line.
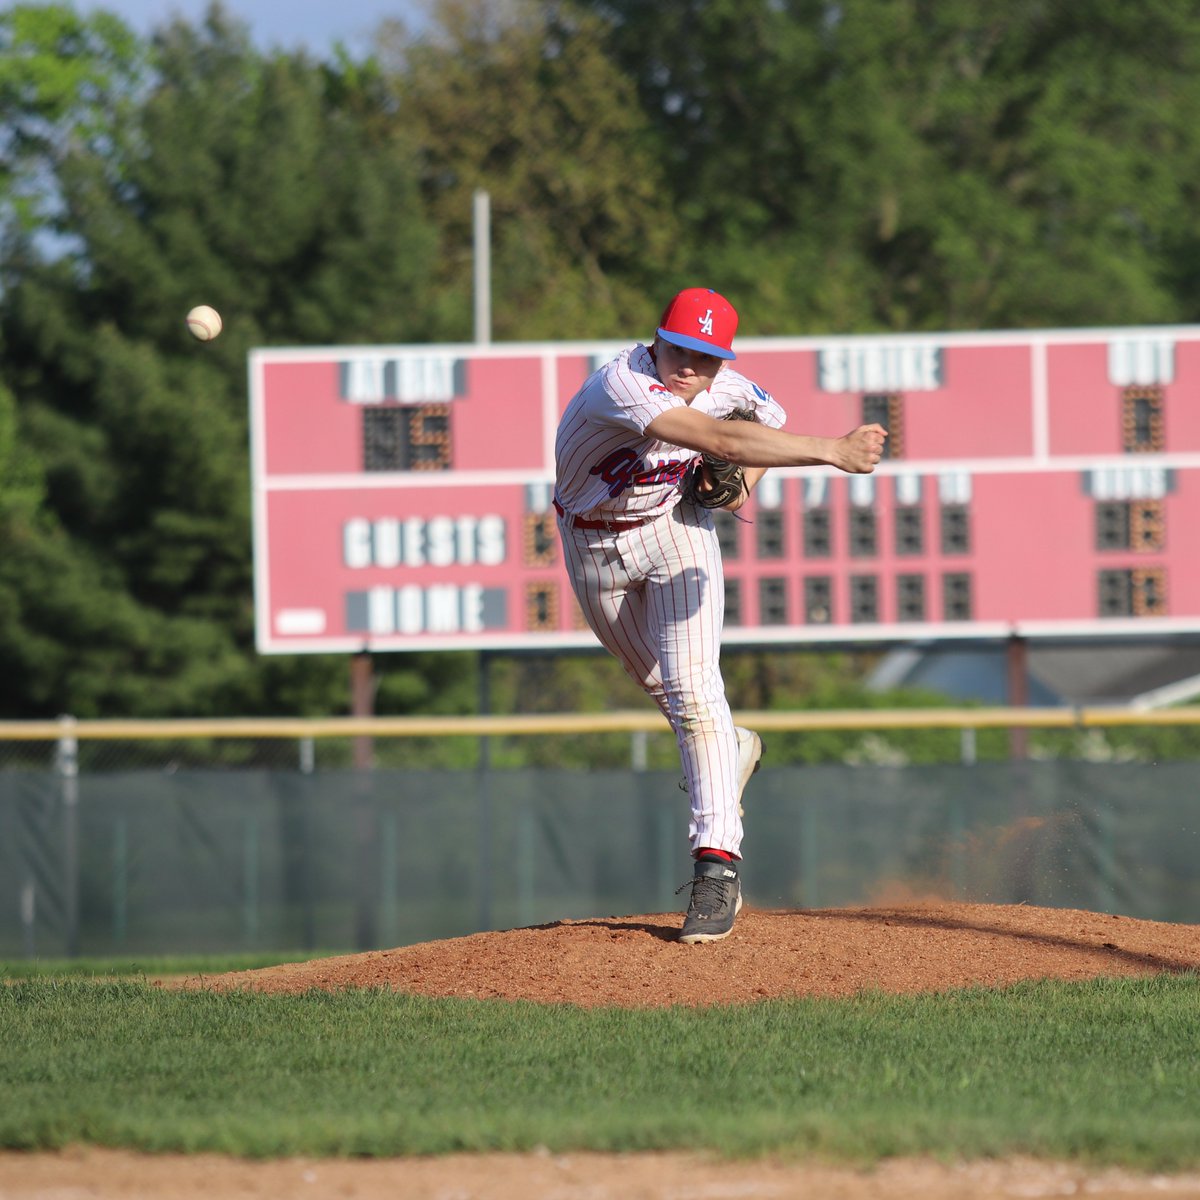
x=623, y=469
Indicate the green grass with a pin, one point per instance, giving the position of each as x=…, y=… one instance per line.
x=150, y=966
x=1101, y=1072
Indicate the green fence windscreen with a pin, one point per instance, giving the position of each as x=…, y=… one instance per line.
x=150, y=862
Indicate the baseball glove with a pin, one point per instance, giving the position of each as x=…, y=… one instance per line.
x=728, y=478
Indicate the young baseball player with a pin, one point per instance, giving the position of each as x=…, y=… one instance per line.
x=645, y=563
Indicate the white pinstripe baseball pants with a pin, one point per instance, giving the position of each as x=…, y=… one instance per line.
x=655, y=597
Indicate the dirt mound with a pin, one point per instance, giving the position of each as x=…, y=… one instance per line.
x=637, y=962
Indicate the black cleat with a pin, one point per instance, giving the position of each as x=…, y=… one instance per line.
x=716, y=900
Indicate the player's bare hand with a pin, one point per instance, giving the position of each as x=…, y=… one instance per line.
x=860, y=450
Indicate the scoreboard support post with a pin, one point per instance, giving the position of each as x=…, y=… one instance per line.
x=1018, y=693
x=362, y=702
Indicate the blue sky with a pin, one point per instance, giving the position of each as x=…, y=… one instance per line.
x=313, y=25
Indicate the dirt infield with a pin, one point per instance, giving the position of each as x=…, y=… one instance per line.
x=635, y=961
x=113, y=1175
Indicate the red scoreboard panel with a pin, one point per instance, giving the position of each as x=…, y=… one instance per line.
x=1037, y=484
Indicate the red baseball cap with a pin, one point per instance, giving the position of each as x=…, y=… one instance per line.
x=700, y=319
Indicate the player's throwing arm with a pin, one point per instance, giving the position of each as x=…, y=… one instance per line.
x=753, y=445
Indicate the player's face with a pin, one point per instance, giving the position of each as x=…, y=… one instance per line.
x=685, y=372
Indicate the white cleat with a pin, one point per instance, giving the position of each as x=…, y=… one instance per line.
x=750, y=750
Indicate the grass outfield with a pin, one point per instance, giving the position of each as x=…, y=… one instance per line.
x=1105, y=1072
x=150, y=966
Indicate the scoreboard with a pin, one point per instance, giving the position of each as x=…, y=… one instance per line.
x=1036, y=484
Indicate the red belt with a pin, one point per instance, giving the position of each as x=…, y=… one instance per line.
x=610, y=526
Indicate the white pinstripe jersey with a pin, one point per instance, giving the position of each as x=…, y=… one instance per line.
x=606, y=466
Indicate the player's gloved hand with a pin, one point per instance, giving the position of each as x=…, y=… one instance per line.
x=715, y=482
x=858, y=451
x=713, y=487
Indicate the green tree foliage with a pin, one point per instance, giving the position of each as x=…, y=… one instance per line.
x=518, y=99
x=21, y=485
x=239, y=181
x=63, y=78
x=900, y=164
x=62, y=622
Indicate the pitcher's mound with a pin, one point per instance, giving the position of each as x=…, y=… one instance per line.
x=637, y=961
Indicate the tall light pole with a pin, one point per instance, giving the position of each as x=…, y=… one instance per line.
x=483, y=269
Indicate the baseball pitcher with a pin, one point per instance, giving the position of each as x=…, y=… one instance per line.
x=648, y=447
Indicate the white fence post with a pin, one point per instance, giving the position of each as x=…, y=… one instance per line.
x=66, y=761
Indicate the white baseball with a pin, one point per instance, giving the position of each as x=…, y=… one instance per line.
x=204, y=322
